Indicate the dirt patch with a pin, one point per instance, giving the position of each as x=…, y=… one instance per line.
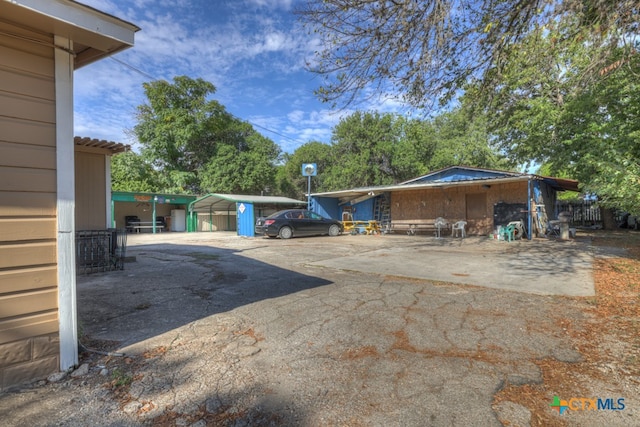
x=609, y=341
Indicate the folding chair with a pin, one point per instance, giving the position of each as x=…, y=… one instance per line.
x=553, y=228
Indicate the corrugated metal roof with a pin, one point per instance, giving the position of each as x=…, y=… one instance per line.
x=226, y=202
x=462, y=173
x=114, y=147
x=445, y=178
x=364, y=193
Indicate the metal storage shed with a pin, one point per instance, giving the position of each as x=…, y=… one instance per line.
x=245, y=207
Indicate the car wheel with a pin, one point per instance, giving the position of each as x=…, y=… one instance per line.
x=334, y=230
x=285, y=233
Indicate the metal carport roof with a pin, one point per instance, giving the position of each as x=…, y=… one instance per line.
x=227, y=202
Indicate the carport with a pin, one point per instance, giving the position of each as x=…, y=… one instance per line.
x=150, y=208
x=246, y=209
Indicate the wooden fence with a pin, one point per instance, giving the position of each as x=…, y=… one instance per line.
x=585, y=213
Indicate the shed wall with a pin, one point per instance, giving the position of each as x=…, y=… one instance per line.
x=143, y=210
x=91, y=184
x=29, y=343
x=217, y=222
x=472, y=203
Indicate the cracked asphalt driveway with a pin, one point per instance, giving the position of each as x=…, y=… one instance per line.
x=351, y=330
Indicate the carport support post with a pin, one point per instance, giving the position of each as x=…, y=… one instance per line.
x=155, y=199
x=529, y=213
x=113, y=213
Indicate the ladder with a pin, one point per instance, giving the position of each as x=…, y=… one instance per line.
x=382, y=212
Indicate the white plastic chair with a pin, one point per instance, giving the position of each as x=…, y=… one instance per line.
x=459, y=227
x=440, y=223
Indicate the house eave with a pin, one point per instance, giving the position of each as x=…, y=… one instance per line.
x=95, y=34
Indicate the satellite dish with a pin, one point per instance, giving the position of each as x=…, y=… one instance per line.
x=309, y=169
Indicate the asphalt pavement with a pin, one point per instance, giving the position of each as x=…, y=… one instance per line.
x=384, y=330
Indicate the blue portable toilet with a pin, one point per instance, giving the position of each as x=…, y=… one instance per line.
x=246, y=221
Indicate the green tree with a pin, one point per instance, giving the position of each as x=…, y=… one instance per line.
x=370, y=148
x=245, y=167
x=461, y=137
x=428, y=50
x=130, y=172
x=196, y=146
x=290, y=181
x=379, y=149
x=179, y=129
x=586, y=129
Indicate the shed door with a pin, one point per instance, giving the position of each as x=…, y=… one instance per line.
x=476, y=206
x=246, y=219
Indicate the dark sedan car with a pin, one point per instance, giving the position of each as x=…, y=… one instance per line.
x=297, y=222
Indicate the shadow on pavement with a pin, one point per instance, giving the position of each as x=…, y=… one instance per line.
x=171, y=285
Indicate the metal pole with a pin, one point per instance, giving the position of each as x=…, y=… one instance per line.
x=155, y=199
x=309, y=192
x=113, y=213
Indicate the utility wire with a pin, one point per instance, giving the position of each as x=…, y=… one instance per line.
x=132, y=68
x=149, y=76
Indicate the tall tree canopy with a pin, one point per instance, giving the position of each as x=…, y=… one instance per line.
x=290, y=181
x=586, y=130
x=363, y=146
x=461, y=137
x=191, y=139
x=370, y=148
x=130, y=172
x=424, y=50
x=245, y=167
x=558, y=78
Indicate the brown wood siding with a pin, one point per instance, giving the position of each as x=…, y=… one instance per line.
x=27, y=132
x=29, y=254
x=28, y=225
x=27, y=327
x=27, y=204
x=28, y=302
x=26, y=279
x=28, y=156
x=451, y=203
x=91, y=205
x=27, y=179
x=15, y=229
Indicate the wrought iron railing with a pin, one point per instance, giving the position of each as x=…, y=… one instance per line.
x=100, y=250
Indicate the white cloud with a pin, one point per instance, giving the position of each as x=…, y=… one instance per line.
x=272, y=4
x=296, y=116
x=253, y=51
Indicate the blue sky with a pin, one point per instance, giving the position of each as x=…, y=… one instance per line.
x=253, y=51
